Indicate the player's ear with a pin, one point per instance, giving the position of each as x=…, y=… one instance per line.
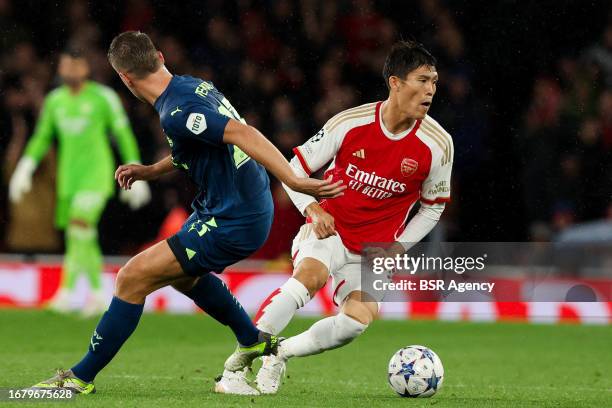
x=161, y=57
x=126, y=79
x=394, y=83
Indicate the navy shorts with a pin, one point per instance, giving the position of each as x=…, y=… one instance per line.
x=210, y=245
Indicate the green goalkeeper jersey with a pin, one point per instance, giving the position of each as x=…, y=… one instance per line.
x=81, y=122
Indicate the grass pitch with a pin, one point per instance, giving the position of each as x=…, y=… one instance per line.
x=172, y=360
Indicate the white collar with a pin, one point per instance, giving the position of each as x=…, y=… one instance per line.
x=387, y=132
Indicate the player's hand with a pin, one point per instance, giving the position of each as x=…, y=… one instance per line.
x=319, y=188
x=322, y=221
x=127, y=174
x=21, y=180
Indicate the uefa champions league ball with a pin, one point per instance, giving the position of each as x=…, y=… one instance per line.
x=415, y=371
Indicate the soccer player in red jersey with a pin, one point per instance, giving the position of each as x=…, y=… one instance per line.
x=390, y=154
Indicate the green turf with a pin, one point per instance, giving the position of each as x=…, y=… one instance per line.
x=172, y=360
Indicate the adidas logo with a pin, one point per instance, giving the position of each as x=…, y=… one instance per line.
x=359, y=153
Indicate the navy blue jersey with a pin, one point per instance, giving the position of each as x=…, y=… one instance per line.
x=193, y=115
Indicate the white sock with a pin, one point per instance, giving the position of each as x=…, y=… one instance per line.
x=326, y=334
x=278, y=309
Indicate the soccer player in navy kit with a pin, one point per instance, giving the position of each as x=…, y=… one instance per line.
x=232, y=212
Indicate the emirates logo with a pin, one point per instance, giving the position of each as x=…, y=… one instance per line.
x=409, y=167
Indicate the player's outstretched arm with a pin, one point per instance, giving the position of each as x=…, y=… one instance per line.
x=127, y=174
x=253, y=143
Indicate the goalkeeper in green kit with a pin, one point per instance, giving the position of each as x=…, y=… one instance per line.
x=80, y=113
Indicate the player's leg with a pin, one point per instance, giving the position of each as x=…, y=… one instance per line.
x=315, y=259
x=280, y=306
x=274, y=315
x=358, y=309
x=79, y=215
x=312, y=258
x=204, y=245
x=200, y=247
x=326, y=334
x=211, y=295
x=85, y=212
x=356, y=313
x=148, y=271
x=70, y=269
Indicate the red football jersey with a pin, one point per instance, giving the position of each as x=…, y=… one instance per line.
x=385, y=173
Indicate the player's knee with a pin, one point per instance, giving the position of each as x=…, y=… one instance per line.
x=184, y=285
x=360, y=310
x=80, y=230
x=312, y=274
x=125, y=277
x=130, y=285
x=79, y=223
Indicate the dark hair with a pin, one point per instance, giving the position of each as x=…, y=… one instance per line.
x=73, y=51
x=404, y=57
x=133, y=52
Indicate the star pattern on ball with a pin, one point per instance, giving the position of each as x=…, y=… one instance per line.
x=407, y=370
x=427, y=354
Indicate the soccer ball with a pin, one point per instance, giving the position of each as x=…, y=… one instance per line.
x=415, y=371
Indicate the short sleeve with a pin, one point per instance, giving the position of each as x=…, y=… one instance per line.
x=323, y=146
x=318, y=150
x=197, y=123
x=436, y=188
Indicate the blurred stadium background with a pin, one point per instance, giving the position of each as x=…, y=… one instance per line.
x=525, y=91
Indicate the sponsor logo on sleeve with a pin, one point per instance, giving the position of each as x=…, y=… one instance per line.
x=442, y=187
x=196, y=123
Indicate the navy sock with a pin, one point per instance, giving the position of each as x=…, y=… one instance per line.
x=114, y=328
x=212, y=296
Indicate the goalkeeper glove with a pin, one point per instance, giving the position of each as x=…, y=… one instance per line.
x=137, y=196
x=21, y=181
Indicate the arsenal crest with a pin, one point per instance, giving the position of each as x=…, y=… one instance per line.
x=409, y=167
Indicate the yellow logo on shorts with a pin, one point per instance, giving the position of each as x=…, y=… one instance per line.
x=190, y=253
x=202, y=227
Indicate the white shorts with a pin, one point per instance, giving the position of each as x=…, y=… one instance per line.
x=344, y=266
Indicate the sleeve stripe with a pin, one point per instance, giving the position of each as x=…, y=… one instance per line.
x=353, y=111
x=439, y=136
x=438, y=142
x=371, y=112
x=444, y=146
x=305, y=166
x=437, y=200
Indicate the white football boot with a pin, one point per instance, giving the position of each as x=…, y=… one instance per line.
x=271, y=373
x=234, y=382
